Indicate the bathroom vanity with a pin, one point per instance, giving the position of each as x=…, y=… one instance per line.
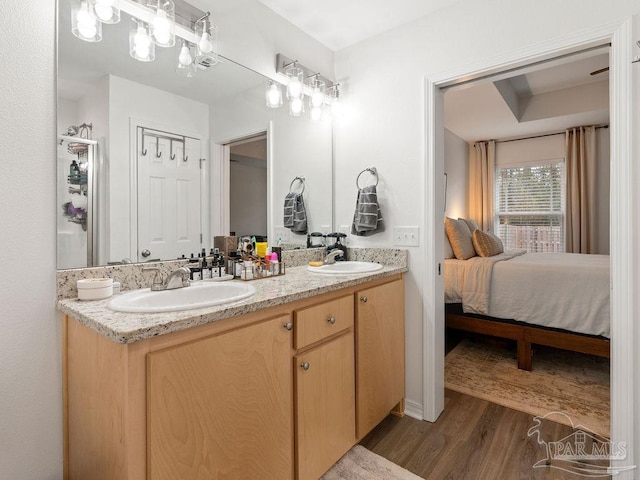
x=278, y=387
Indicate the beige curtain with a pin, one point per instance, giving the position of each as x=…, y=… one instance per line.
x=581, y=222
x=481, y=181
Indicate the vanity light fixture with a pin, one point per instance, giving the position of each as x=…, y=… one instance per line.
x=83, y=22
x=336, y=103
x=153, y=22
x=186, y=64
x=141, y=46
x=273, y=94
x=294, y=75
x=105, y=11
x=163, y=24
x=206, y=47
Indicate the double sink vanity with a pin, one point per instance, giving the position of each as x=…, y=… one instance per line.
x=275, y=385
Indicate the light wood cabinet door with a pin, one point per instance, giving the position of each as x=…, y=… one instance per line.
x=380, y=353
x=325, y=405
x=221, y=407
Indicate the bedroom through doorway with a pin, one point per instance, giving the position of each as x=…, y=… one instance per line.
x=522, y=341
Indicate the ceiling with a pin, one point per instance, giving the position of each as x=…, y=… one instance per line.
x=536, y=100
x=340, y=23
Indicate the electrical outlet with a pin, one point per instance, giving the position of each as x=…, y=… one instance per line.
x=406, y=236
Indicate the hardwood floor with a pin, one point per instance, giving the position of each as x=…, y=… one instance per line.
x=472, y=440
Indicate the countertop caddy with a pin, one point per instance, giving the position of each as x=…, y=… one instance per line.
x=277, y=386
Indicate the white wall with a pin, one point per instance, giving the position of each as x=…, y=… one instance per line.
x=456, y=166
x=30, y=339
x=30, y=360
x=459, y=36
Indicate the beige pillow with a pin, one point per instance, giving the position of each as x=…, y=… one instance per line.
x=470, y=223
x=460, y=238
x=487, y=244
x=448, y=251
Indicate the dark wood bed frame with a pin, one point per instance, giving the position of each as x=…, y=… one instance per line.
x=525, y=334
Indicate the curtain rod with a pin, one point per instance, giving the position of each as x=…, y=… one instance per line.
x=544, y=135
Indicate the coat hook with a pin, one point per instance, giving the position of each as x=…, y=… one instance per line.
x=172, y=155
x=144, y=150
x=158, y=152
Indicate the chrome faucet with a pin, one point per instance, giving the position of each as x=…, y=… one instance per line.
x=177, y=279
x=331, y=256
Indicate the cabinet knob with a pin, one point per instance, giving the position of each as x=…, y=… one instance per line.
x=145, y=253
x=304, y=365
x=288, y=326
x=331, y=320
x=363, y=299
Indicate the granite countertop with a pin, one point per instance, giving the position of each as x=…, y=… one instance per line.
x=297, y=284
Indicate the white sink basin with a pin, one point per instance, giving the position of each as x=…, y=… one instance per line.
x=346, y=268
x=197, y=295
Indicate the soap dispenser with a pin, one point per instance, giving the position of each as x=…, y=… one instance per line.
x=338, y=236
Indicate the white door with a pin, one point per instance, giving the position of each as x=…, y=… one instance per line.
x=169, y=198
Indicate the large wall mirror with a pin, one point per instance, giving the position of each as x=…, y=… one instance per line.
x=152, y=165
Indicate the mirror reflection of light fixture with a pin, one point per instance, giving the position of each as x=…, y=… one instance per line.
x=141, y=46
x=315, y=89
x=83, y=22
x=186, y=65
x=206, y=47
x=163, y=26
x=106, y=11
x=153, y=22
x=273, y=94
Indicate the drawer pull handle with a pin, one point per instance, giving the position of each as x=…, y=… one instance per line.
x=288, y=326
x=363, y=299
x=304, y=366
x=331, y=320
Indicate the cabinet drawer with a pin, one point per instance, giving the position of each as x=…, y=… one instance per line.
x=320, y=321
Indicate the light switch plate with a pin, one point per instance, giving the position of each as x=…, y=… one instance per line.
x=406, y=236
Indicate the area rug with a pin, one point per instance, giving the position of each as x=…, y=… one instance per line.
x=571, y=383
x=362, y=464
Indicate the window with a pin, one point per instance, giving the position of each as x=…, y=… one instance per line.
x=530, y=207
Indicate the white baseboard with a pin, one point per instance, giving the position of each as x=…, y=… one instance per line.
x=413, y=409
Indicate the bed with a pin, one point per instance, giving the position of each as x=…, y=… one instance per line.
x=554, y=299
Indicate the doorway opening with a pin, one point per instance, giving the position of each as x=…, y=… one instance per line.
x=623, y=279
x=248, y=185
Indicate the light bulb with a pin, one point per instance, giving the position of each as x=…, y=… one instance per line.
x=205, y=44
x=274, y=96
x=142, y=43
x=161, y=27
x=104, y=12
x=296, y=106
x=87, y=25
x=316, y=113
x=185, y=56
x=294, y=88
x=317, y=98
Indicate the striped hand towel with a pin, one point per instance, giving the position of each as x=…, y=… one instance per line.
x=367, y=218
x=295, y=216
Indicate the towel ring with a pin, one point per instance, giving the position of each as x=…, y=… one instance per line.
x=373, y=172
x=299, y=179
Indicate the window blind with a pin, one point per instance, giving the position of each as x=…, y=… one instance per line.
x=530, y=207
